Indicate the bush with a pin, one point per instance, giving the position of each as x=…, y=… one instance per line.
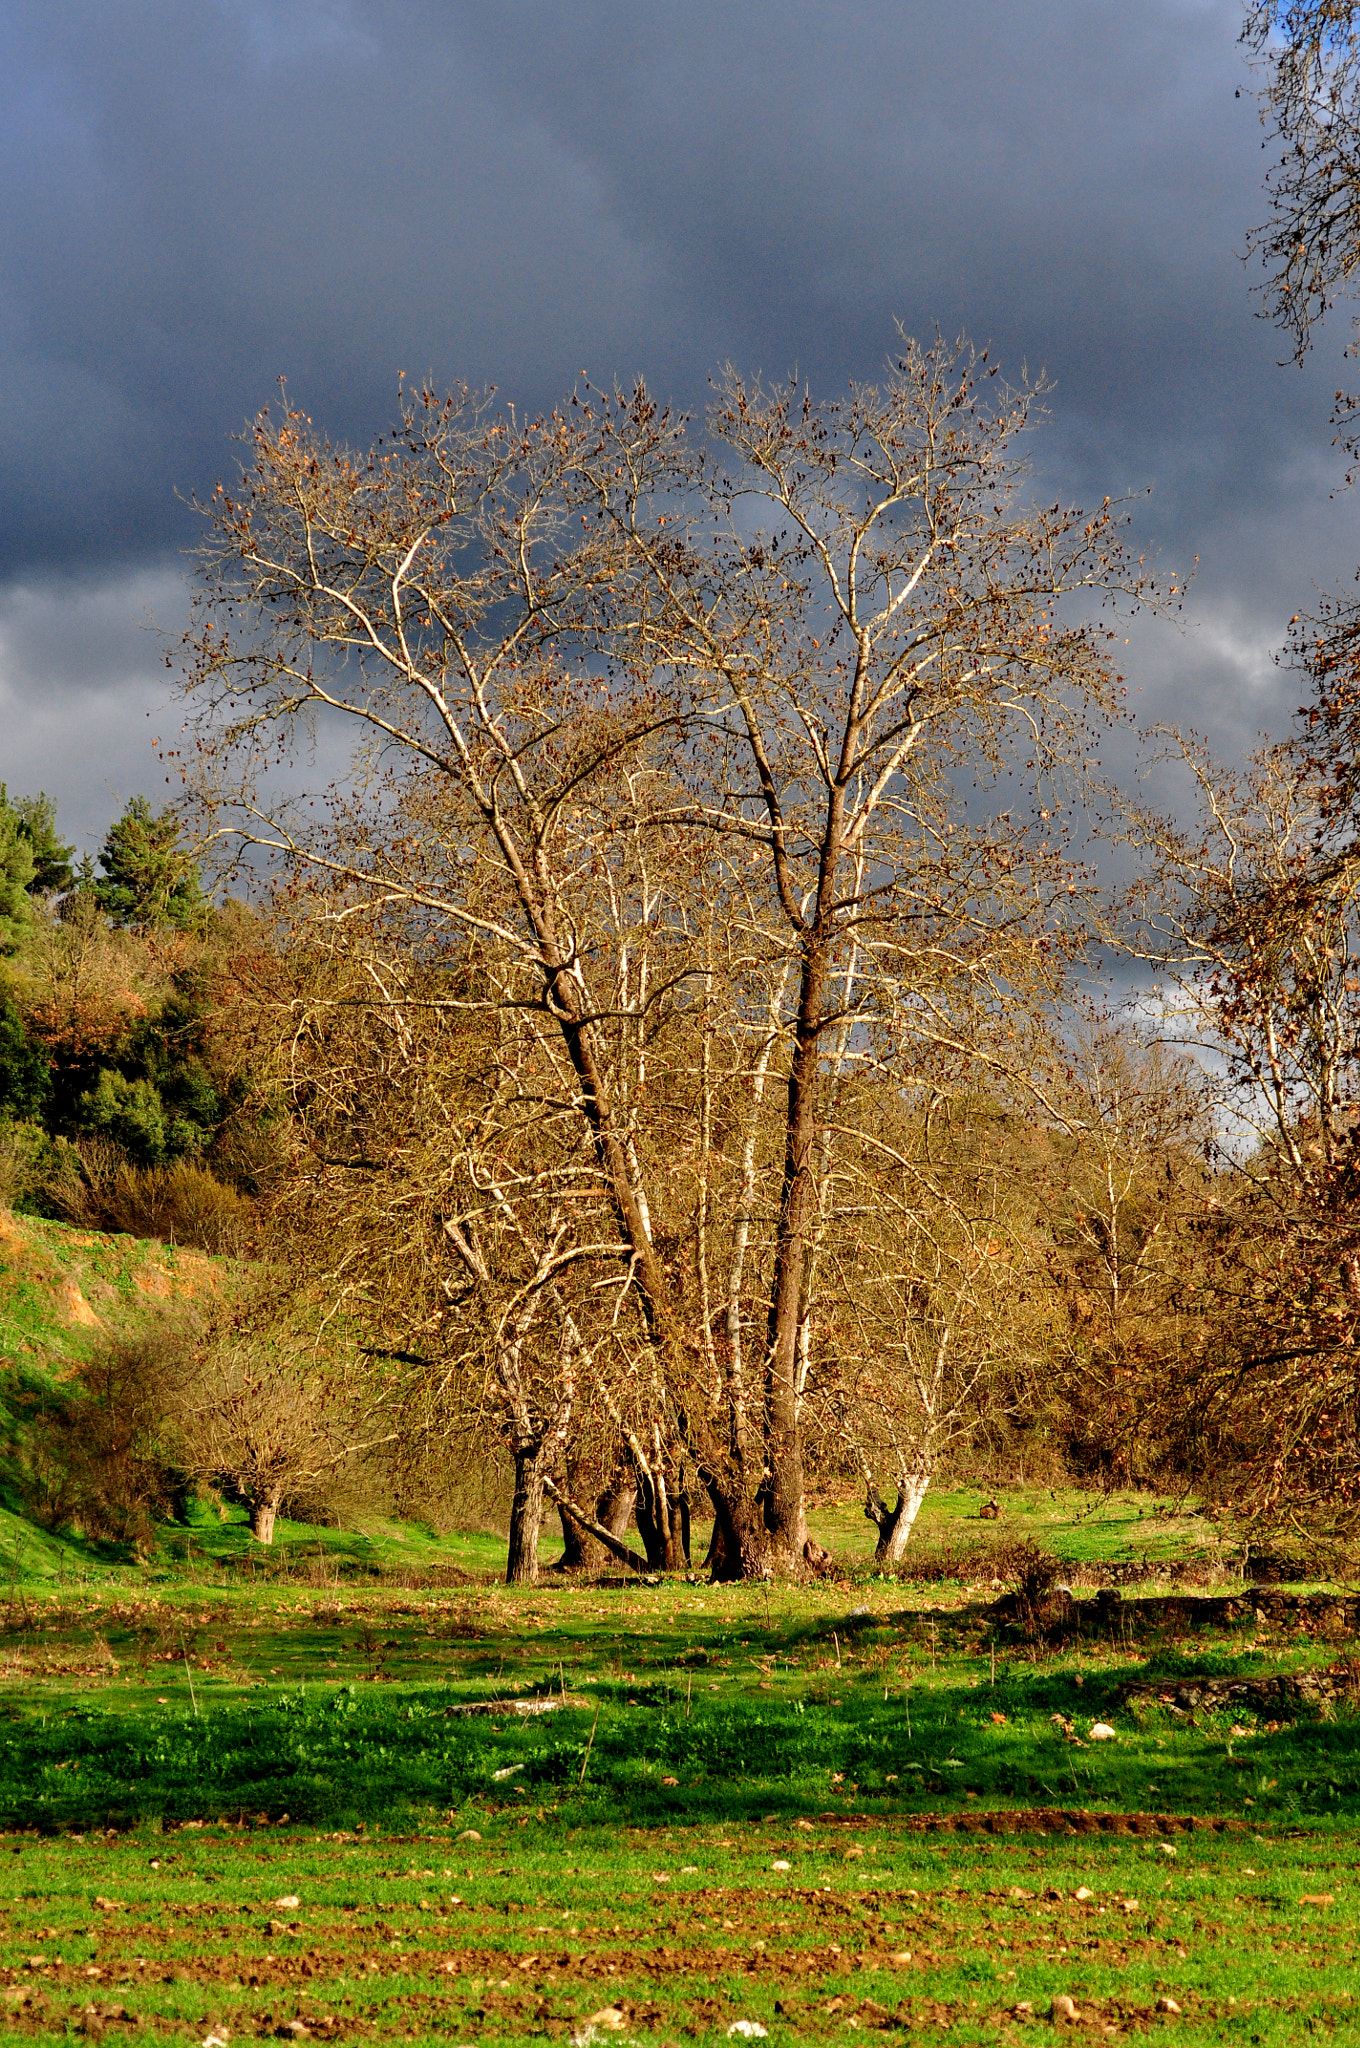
x=181, y=1204
x=37, y=1173
x=100, y=1455
x=1011, y=1560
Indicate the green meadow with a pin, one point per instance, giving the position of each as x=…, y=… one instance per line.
x=351, y=1787
x=375, y=1795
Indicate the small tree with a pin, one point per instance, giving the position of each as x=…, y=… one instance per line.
x=52, y=870
x=17, y=871
x=150, y=878
x=1124, y=1184
x=937, y=1322
x=271, y=1425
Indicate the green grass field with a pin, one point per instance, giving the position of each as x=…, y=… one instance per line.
x=830, y=1808
x=350, y=1787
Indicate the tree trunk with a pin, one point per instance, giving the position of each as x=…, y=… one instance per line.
x=615, y=1545
x=264, y=1508
x=896, y=1524
x=680, y=1531
x=651, y=1527
x=526, y=1518
x=583, y=1551
x=740, y=1547
x=573, y=1558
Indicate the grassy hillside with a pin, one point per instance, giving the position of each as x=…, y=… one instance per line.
x=63, y=1292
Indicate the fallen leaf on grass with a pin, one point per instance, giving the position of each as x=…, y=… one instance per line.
x=1065, y=2008
x=1316, y=1899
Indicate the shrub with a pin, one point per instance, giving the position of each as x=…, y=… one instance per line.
x=100, y=1455
x=25, y=1076
x=181, y=1204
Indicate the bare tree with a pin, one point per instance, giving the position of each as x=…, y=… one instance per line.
x=271, y=1423
x=1124, y=1182
x=659, y=741
x=1257, y=914
x=1310, y=103
x=935, y=1320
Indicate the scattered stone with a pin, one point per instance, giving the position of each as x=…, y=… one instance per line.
x=1166, y=1849
x=1083, y=1892
x=608, y=2020
x=469, y=1835
x=1128, y=1905
x=747, y=2030
x=289, y=1899
x=1167, y=2005
x=902, y=1958
x=809, y=1825
x=1101, y=1731
x=781, y=1865
x=1316, y=1899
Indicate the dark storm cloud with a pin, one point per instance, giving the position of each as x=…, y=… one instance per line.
x=200, y=195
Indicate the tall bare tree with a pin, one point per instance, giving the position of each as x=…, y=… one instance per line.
x=679, y=742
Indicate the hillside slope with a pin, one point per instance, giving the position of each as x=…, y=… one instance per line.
x=63, y=1292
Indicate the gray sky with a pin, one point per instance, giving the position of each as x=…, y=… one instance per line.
x=202, y=195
